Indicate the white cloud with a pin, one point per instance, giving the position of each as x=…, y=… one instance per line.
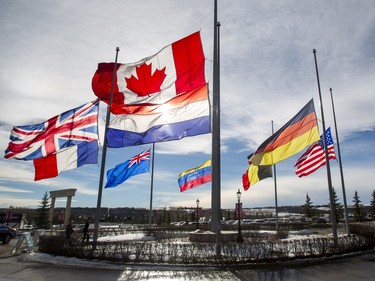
x=267, y=74
x=15, y=190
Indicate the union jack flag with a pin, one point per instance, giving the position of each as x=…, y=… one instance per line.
x=67, y=129
x=145, y=155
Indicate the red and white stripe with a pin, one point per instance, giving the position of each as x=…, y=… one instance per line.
x=313, y=159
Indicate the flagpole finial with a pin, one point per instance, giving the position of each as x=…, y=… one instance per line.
x=314, y=51
x=117, y=49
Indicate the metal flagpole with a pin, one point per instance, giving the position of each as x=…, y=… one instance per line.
x=330, y=189
x=104, y=153
x=341, y=171
x=215, y=193
x=152, y=186
x=275, y=183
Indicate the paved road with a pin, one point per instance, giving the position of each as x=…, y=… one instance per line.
x=23, y=267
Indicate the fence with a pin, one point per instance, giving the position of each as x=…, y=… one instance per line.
x=168, y=249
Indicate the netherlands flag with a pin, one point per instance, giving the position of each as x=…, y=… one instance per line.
x=183, y=116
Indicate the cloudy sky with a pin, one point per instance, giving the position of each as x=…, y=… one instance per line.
x=50, y=50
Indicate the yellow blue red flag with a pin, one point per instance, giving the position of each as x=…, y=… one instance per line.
x=195, y=176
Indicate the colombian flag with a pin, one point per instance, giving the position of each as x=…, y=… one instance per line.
x=294, y=136
x=195, y=176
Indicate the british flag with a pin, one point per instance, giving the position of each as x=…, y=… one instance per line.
x=67, y=129
x=136, y=165
x=144, y=156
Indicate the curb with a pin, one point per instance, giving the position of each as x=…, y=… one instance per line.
x=366, y=255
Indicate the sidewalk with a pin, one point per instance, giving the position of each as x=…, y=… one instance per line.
x=6, y=249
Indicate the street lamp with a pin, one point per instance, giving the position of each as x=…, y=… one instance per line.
x=61, y=217
x=239, y=209
x=197, y=213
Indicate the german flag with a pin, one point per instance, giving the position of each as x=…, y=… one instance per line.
x=294, y=136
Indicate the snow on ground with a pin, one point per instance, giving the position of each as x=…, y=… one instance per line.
x=125, y=237
x=70, y=261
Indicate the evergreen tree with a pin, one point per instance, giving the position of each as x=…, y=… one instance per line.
x=337, y=206
x=164, y=221
x=372, y=205
x=42, y=213
x=168, y=217
x=358, y=209
x=308, y=207
x=159, y=219
x=227, y=215
x=193, y=217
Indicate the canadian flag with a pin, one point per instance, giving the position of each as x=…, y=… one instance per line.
x=174, y=70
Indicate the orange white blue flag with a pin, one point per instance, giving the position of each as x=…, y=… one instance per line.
x=183, y=116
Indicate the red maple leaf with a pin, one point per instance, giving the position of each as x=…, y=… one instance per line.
x=146, y=83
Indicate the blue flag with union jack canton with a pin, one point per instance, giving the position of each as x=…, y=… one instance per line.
x=67, y=129
x=138, y=164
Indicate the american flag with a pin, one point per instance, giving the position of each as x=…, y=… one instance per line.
x=67, y=129
x=314, y=157
x=144, y=156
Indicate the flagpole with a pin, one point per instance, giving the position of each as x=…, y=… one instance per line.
x=216, y=181
x=152, y=187
x=104, y=154
x=275, y=184
x=330, y=189
x=341, y=171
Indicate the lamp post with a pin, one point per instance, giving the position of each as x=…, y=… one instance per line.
x=197, y=213
x=239, y=209
x=61, y=217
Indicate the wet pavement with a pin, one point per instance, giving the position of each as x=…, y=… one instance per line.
x=26, y=267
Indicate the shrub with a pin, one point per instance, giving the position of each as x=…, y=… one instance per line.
x=257, y=248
